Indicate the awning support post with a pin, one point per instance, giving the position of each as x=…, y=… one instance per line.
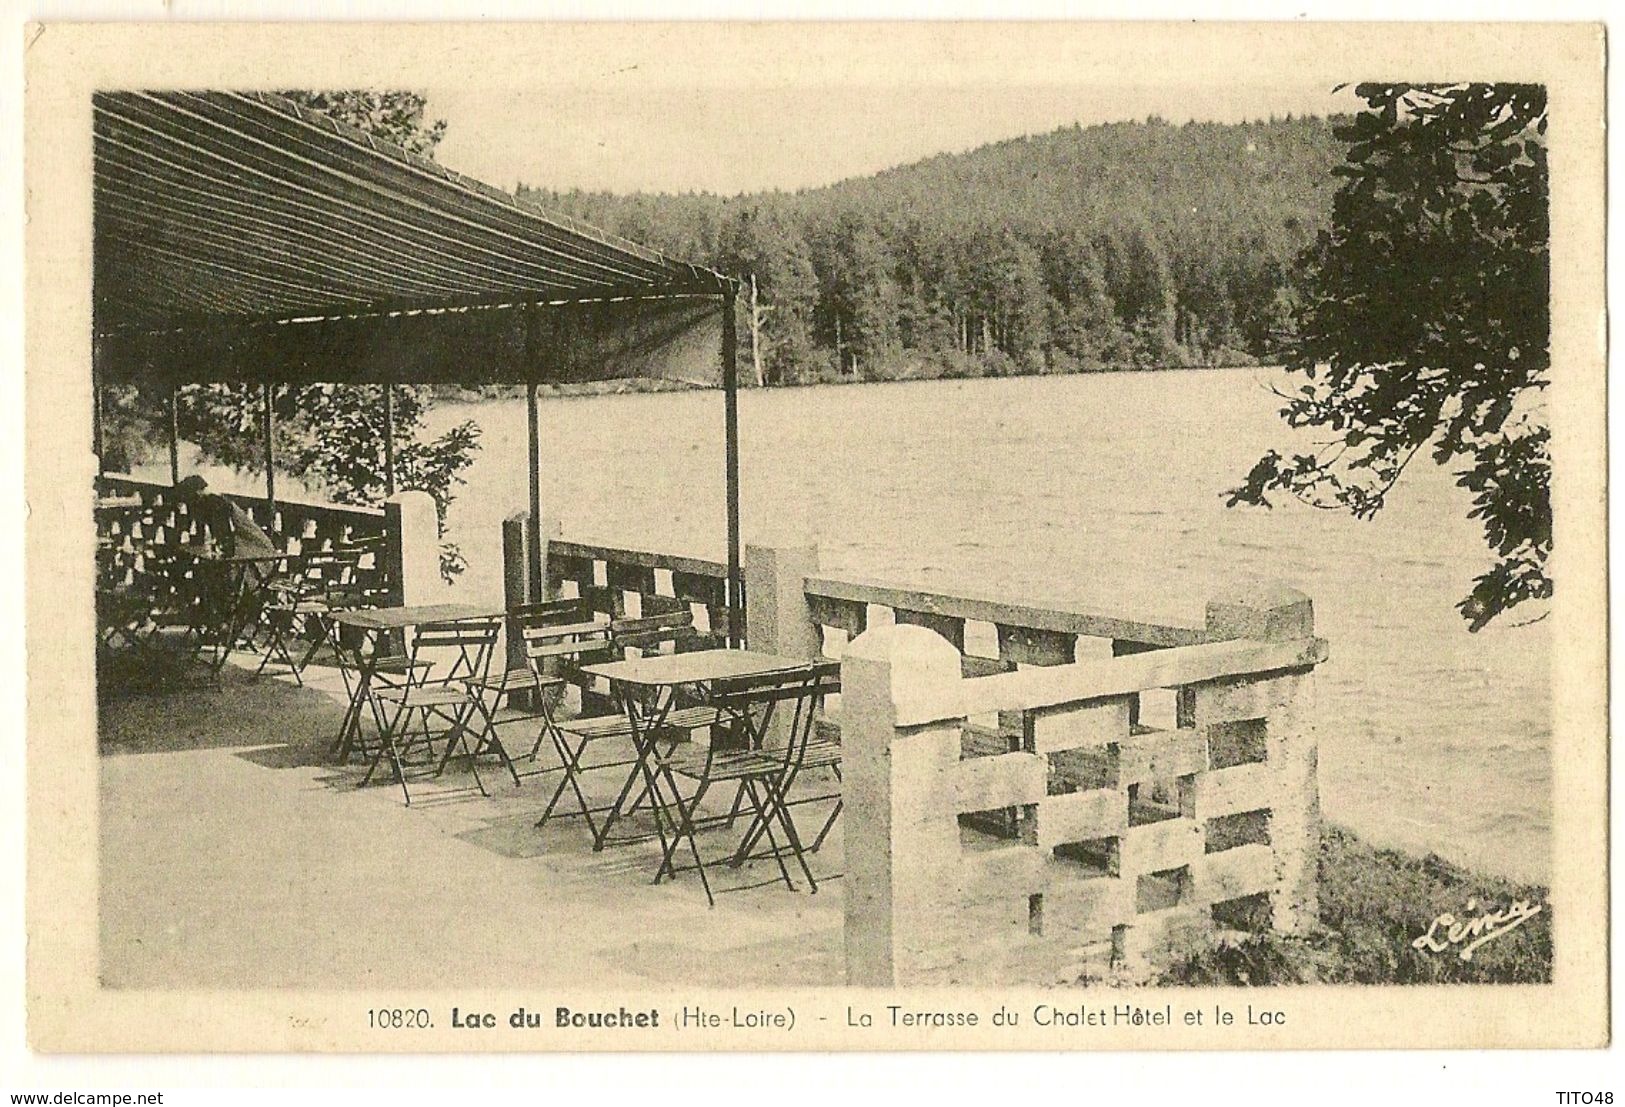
x=270, y=451
x=730, y=386
x=534, y=524
x=538, y=585
x=174, y=435
x=389, y=439
x=96, y=409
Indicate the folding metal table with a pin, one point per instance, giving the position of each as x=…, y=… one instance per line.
x=246, y=584
x=375, y=621
x=659, y=678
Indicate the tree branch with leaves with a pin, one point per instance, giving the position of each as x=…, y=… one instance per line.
x=1425, y=324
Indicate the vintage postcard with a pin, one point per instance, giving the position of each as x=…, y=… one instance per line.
x=900, y=536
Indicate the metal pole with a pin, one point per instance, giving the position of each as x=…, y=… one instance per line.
x=533, y=527
x=174, y=435
x=730, y=391
x=96, y=404
x=534, y=524
x=270, y=450
x=389, y=439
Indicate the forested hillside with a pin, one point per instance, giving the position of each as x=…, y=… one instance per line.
x=1114, y=246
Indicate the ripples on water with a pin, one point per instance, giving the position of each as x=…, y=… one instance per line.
x=1103, y=490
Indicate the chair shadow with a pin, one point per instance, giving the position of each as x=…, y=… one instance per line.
x=290, y=756
x=515, y=836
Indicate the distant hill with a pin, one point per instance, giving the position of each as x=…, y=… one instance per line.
x=1115, y=246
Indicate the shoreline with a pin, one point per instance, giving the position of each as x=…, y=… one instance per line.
x=447, y=395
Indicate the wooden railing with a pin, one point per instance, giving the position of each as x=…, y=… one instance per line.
x=619, y=583
x=300, y=526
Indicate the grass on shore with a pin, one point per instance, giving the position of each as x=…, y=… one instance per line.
x=1374, y=904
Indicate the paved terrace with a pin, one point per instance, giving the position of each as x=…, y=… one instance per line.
x=236, y=854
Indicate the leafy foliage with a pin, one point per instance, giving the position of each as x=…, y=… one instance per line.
x=393, y=115
x=1426, y=323
x=132, y=429
x=1117, y=246
x=332, y=438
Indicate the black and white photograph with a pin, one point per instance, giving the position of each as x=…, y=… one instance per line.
x=732, y=536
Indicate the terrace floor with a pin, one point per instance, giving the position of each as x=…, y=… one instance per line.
x=236, y=854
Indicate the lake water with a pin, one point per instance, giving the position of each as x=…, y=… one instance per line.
x=1103, y=490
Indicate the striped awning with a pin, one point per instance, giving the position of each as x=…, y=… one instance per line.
x=239, y=236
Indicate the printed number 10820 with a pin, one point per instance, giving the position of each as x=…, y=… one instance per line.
x=398, y=1018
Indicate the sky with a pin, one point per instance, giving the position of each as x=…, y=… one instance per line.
x=745, y=139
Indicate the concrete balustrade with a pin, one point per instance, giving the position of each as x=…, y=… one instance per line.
x=1110, y=832
x=901, y=833
x=1219, y=812
x=616, y=582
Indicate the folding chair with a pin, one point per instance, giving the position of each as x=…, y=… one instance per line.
x=367, y=661
x=123, y=606
x=361, y=656
x=823, y=752
x=234, y=601
x=671, y=631
x=543, y=632
x=366, y=577
x=760, y=774
x=177, y=601
x=121, y=616
x=450, y=698
x=320, y=584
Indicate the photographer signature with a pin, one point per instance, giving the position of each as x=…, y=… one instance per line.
x=1447, y=931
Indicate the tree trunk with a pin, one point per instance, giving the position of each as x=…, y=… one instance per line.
x=756, y=333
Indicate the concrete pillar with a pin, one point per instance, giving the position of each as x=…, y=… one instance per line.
x=412, y=523
x=516, y=583
x=1270, y=613
x=1294, y=825
x=900, y=829
x=776, y=611
x=1276, y=613
x=515, y=558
